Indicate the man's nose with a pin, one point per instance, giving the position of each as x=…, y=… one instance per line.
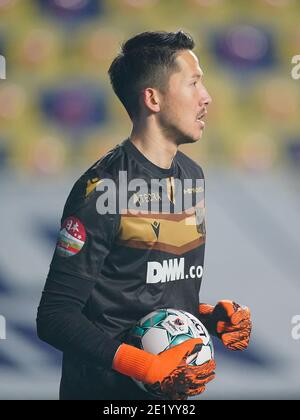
x=207, y=99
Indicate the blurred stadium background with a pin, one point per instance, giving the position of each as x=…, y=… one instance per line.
x=58, y=115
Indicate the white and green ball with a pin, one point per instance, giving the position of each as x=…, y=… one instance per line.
x=165, y=328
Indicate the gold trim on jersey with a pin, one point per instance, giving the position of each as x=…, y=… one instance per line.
x=169, y=232
x=91, y=185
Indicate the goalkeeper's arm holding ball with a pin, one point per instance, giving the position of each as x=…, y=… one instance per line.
x=168, y=370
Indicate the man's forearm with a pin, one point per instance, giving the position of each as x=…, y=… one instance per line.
x=61, y=323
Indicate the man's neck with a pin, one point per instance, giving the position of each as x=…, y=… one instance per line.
x=155, y=148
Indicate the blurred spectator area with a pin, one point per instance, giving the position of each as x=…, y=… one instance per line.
x=57, y=108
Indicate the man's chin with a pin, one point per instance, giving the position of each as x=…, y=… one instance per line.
x=190, y=139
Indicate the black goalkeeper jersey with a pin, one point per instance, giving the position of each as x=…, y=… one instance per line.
x=132, y=240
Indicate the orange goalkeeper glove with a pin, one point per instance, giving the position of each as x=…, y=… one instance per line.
x=167, y=372
x=228, y=321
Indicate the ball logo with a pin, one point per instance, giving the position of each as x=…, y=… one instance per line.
x=175, y=325
x=71, y=238
x=178, y=322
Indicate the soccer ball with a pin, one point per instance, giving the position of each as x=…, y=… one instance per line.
x=165, y=328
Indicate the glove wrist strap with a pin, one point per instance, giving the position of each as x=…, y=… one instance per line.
x=133, y=362
x=207, y=318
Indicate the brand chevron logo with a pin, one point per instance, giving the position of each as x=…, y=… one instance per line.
x=156, y=227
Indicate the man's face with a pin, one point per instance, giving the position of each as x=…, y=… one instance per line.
x=185, y=102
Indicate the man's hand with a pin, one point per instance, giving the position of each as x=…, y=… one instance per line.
x=229, y=321
x=176, y=379
x=167, y=372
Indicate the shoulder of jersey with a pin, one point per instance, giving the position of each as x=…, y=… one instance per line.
x=85, y=187
x=189, y=164
x=110, y=163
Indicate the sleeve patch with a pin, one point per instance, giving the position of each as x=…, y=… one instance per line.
x=71, y=237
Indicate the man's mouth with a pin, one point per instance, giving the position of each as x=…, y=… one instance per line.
x=200, y=118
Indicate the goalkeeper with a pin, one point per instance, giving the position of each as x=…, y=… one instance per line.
x=115, y=263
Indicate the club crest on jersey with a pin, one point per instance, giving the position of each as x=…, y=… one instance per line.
x=71, y=237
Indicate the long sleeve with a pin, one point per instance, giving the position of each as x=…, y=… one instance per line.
x=84, y=241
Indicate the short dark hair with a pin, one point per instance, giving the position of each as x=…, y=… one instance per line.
x=146, y=60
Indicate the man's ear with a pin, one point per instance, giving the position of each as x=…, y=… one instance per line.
x=151, y=99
